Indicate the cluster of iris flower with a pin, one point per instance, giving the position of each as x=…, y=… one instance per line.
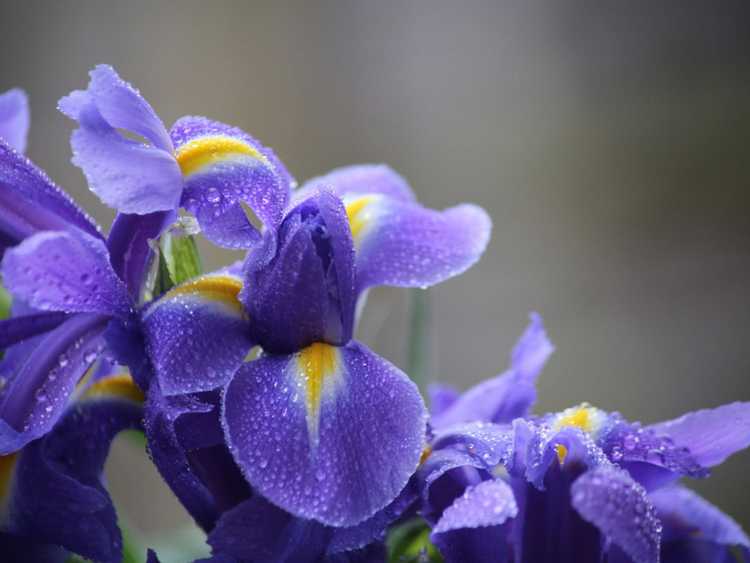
x=284, y=438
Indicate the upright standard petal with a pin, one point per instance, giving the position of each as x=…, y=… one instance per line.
x=360, y=179
x=711, y=435
x=476, y=527
x=688, y=517
x=507, y=396
x=305, y=293
x=57, y=494
x=59, y=271
x=31, y=202
x=404, y=244
x=14, y=118
x=39, y=392
x=197, y=334
x=129, y=246
x=331, y=434
x=223, y=167
x=608, y=498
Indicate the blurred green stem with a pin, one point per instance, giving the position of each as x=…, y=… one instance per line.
x=418, y=355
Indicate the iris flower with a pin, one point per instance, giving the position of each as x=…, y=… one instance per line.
x=319, y=425
x=579, y=485
x=136, y=166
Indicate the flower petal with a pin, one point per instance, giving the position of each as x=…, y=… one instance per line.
x=350, y=436
x=711, y=435
x=14, y=118
x=57, y=492
x=38, y=394
x=197, y=334
x=31, y=202
x=441, y=397
x=305, y=293
x=404, y=244
x=119, y=104
x=128, y=243
x=17, y=329
x=222, y=166
x=687, y=516
x=360, y=179
x=128, y=176
x=60, y=271
x=510, y=395
x=609, y=499
x=476, y=526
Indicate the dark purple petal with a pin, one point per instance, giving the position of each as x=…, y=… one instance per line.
x=476, y=526
x=16, y=329
x=305, y=293
x=170, y=457
x=619, y=507
x=31, y=202
x=22, y=549
x=58, y=496
x=711, y=435
x=14, y=118
x=329, y=433
x=223, y=166
x=197, y=334
x=129, y=249
x=59, y=271
x=38, y=395
x=128, y=176
x=507, y=396
x=360, y=179
x=256, y=530
x=405, y=244
x=687, y=516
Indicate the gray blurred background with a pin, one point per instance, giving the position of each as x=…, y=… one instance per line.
x=607, y=140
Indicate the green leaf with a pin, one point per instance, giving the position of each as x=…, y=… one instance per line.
x=410, y=543
x=5, y=302
x=419, y=345
x=181, y=257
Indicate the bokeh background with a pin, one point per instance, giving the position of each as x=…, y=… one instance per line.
x=608, y=140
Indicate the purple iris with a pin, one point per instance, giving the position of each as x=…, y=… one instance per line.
x=318, y=424
x=580, y=485
x=208, y=168
x=14, y=118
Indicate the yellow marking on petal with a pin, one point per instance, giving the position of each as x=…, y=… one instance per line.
x=316, y=363
x=585, y=417
x=426, y=452
x=562, y=453
x=120, y=385
x=219, y=288
x=358, y=214
x=205, y=151
x=7, y=465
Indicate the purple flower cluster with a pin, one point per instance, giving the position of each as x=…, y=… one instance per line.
x=285, y=438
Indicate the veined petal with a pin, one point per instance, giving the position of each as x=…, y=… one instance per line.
x=129, y=249
x=38, y=394
x=57, y=495
x=509, y=395
x=476, y=526
x=404, y=244
x=14, y=118
x=197, y=334
x=59, y=271
x=711, y=435
x=30, y=202
x=609, y=499
x=332, y=434
x=223, y=166
x=360, y=179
